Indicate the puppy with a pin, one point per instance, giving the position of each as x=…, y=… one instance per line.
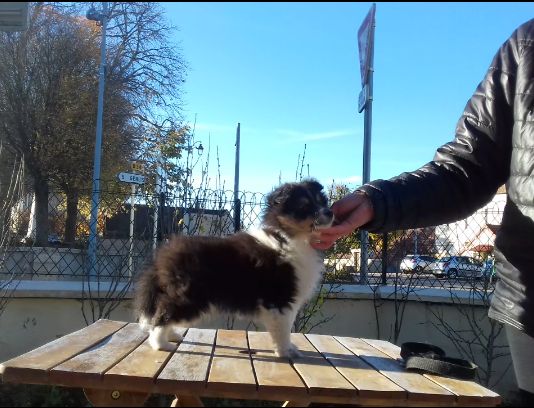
x=266, y=274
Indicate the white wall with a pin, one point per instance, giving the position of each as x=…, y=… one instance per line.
x=36, y=317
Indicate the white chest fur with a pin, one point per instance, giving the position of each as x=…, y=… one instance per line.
x=306, y=261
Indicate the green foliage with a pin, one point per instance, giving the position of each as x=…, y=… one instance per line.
x=163, y=147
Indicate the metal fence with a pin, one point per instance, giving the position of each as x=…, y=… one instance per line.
x=458, y=255
x=132, y=225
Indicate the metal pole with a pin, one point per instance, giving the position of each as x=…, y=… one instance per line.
x=384, y=258
x=367, y=152
x=98, y=149
x=237, y=201
x=156, y=209
x=161, y=233
x=132, y=221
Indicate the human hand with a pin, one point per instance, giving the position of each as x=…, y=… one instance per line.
x=350, y=212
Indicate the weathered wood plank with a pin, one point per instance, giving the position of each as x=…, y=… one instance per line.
x=467, y=392
x=139, y=369
x=320, y=377
x=187, y=370
x=231, y=367
x=33, y=367
x=276, y=377
x=418, y=387
x=369, y=382
x=115, y=398
x=86, y=369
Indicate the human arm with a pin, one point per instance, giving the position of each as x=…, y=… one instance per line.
x=464, y=174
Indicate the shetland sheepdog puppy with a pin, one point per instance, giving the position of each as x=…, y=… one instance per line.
x=266, y=274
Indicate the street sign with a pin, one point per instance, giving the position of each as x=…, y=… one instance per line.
x=131, y=178
x=365, y=39
x=14, y=16
x=363, y=98
x=138, y=166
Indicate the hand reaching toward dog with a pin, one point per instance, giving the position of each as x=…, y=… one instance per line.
x=350, y=212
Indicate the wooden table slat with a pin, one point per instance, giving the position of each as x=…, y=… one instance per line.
x=418, y=387
x=33, y=367
x=318, y=374
x=466, y=391
x=86, y=369
x=138, y=370
x=368, y=381
x=276, y=377
x=112, y=359
x=231, y=367
x=188, y=367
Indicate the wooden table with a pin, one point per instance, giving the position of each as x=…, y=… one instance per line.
x=115, y=366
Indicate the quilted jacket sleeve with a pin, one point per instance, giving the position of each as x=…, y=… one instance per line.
x=466, y=172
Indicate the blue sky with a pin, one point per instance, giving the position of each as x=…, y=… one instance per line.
x=289, y=74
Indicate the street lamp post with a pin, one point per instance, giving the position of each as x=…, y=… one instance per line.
x=102, y=18
x=189, y=173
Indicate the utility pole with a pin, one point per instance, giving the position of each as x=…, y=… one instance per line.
x=366, y=45
x=102, y=17
x=237, y=201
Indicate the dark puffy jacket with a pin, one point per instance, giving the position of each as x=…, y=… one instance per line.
x=493, y=145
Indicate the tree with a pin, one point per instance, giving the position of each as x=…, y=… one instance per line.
x=11, y=190
x=48, y=81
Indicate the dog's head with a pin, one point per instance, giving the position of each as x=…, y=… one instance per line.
x=298, y=208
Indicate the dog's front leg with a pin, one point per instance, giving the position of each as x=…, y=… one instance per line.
x=279, y=326
x=159, y=338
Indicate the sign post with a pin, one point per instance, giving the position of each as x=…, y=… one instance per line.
x=366, y=37
x=133, y=179
x=14, y=16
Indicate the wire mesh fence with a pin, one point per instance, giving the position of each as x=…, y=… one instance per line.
x=458, y=255
x=132, y=222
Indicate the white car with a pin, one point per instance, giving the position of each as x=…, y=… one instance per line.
x=458, y=266
x=417, y=263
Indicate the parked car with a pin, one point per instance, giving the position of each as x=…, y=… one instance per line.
x=458, y=266
x=417, y=263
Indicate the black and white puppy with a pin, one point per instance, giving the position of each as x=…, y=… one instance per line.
x=266, y=274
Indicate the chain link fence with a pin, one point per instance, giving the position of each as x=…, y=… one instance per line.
x=132, y=222
x=458, y=255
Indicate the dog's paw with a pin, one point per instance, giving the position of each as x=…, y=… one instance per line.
x=290, y=352
x=162, y=345
x=175, y=336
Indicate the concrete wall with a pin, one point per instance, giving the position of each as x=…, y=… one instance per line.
x=34, y=317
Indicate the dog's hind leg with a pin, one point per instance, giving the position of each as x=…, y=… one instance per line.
x=279, y=325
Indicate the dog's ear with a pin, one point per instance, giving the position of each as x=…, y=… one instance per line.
x=278, y=195
x=314, y=185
